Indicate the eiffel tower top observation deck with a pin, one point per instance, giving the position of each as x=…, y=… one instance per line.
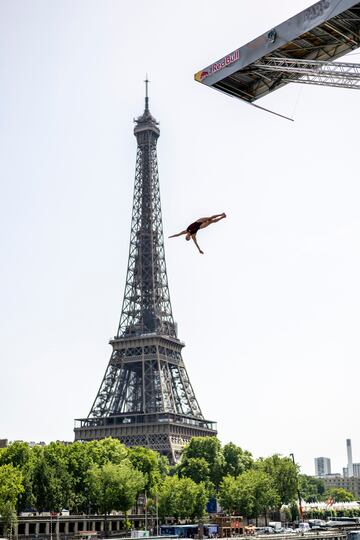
x=146, y=398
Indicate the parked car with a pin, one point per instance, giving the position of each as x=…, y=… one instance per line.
x=317, y=523
x=304, y=527
x=264, y=530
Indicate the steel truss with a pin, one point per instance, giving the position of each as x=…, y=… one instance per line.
x=337, y=74
x=146, y=306
x=147, y=383
x=146, y=397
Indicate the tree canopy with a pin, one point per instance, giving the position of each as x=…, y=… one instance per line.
x=236, y=459
x=182, y=498
x=250, y=494
x=153, y=466
x=311, y=489
x=11, y=485
x=204, y=460
x=203, y=455
x=339, y=495
x=284, y=474
x=105, y=475
x=115, y=486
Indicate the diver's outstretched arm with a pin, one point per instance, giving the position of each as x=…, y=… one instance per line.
x=178, y=234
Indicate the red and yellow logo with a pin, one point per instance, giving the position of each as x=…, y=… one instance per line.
x=217, y=66
x=200, y=75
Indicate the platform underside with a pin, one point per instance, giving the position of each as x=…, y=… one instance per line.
x=325, y=31
x=167, y=434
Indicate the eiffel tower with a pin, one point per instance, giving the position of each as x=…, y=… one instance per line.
x=146, y=398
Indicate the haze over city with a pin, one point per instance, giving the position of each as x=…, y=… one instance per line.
x=269, y=314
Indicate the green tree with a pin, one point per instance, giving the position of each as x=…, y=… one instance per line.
x=284, y=474
x=17, y=454
x=182, y=498
x=11, y=485
x=187, y=499
x=339, y=495
x=80, y=459
x=167, y=498
x=38, y=475
x=264, y=491
x=9, y=518
x=115, y=486
x=50, y=478
x=197, y=469
x=229, y=498
x=237, y=460
x=151, y=464
x=311, y=489
x=208, y=449
x=107, y=450
x=200, y=500
x=250, y=494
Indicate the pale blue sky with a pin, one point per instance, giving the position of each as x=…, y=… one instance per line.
x=270, y=314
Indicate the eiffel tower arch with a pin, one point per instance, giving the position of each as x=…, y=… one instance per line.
x=146, y=398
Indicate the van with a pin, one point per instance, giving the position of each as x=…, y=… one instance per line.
x=276, y=525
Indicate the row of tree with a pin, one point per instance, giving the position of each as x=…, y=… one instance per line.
x=101, y=476
x=77, y=476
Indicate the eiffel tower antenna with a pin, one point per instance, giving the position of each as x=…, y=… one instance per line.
x=146, y=93
x=146, y=398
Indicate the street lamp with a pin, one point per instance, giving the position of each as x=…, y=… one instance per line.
x=157, y=514
x=298, y=494
x=146, y=520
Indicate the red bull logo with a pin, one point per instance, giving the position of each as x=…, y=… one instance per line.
x=200, y=75
x=226, y=61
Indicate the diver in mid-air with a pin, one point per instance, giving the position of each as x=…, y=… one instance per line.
x=201, y=223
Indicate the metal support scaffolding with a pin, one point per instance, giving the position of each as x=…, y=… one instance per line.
x=306, y=48
x=338, y=74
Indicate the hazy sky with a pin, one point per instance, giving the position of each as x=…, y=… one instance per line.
x=270, y=314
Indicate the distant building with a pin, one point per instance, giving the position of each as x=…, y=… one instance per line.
x=322, y=466
x=350, y=484
x=356, y=470
x=350, y=469
x=33, y=443
x=4, y=443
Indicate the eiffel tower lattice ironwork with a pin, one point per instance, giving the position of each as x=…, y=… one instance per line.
x=146, y=398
